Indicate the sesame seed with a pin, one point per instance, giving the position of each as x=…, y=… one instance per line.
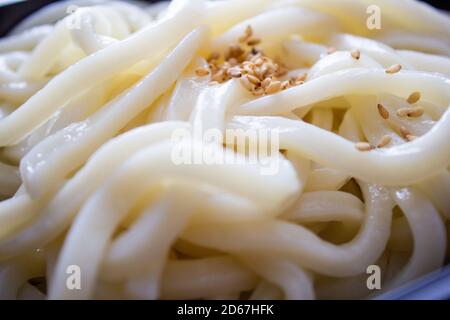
x=218, y=76
x=247, y=84
x=301, y=77
x=273, y=87
x=411, y=112
x=257, y=73
x=383, y=112
x=394, y=69
x=249, y=31
x=258, y=92
x=385, y=140
x=257, y=58
x=214, y=56
x=247, y=34
x=363, y=146
x=233, y=62
x=253, y=42
x=235, y=51
x=254, y=80
x=213, y=67
x=202, y=72
x=226, y=66
x=282, y=72
x=404, y=132
x=248, y=69
x=259, y=62
x=266, y=82
x=417, y=112
x=267, y=69
x=413, y=97
x=234, y=72
x=356, y=54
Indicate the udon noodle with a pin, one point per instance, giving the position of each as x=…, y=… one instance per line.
x=92, y=92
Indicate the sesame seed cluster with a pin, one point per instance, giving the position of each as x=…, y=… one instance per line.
x=258, y=73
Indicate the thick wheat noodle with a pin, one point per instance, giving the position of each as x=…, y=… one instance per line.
x=157, y=160
x=82, y=139
x=304, y=138
x=40, y=107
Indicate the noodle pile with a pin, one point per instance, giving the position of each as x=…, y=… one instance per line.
x=89, y=103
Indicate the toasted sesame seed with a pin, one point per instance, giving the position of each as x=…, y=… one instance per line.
x=247, y=84
x=254, y=80
x=363, y=146
x=248, y=69
x=267, y=69
x=356, y=54
x=258, y=92
x=214, y=56
x=394, y=69
x=414, y=97
x=247, y=34
x=411, y=137
x=413, y=112
x=273, y=87
x=417, y=112
x=383, y=112
x=235, y=51
x=385, y=140
x=404, y=132
x=213, y=67
x=259, y=62
x=258, y=73
x=226, y=66
x=253, y=42
x=255, y=57
x=202, y=72
x=233, y=62
x=218, y=76
x=301, y=77
x=282, y=71
x=234, y=72
x=266, y=82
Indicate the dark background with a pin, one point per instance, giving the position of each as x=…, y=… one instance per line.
x=12, y=14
